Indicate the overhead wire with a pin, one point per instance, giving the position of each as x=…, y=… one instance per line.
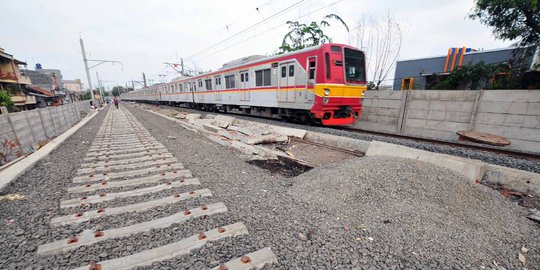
x=277, y=14
x=271, y=29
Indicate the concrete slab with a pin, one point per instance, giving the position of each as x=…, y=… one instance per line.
x=212, y=128
x=227, y=119
x=137, y=207
x=513, y=179
x=89, y=237
x=337, y=141
x=103, y=197
x=107, y=176
x=257, y=260
x=172, y=250
x=471, y=169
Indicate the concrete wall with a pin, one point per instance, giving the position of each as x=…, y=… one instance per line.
x=514, y=114
x=30, y=128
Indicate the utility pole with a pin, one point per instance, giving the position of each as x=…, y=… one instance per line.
x=100, y=86
x=87, y=68
x=87, y=71
x=144, y=79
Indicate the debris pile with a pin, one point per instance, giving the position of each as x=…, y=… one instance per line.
x=423, y=209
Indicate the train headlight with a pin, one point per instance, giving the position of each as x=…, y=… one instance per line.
x=326, y=91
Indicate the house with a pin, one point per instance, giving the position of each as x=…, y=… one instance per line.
x=13, y=82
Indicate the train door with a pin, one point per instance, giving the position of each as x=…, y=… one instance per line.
x=244, y=85
x=291, y=83
x=283, y=84
x=218, y=93
x=311, y=79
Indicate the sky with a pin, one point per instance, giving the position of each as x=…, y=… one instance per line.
x=142, y=35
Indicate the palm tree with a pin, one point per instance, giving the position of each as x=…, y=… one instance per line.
x=302, y=35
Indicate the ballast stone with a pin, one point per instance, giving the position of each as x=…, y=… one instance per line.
x=473, y=170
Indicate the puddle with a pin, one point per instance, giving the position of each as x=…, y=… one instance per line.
x=283, y=166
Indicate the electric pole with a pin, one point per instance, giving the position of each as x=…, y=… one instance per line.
x=144, y=79
x=100, y=86
x=87, y=71
x=87, y=68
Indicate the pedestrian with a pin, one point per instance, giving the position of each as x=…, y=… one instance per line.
x=115, y=100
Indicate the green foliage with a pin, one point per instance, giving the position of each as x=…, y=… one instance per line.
x=5, y=100
x=303, y=35
x=483, y=76
x=87, y=95
x=511, y=19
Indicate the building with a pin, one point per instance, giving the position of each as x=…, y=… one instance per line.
x=14, y=82
x=73, y=85
x=49, y=80
x=419, y=73
x=74, y=89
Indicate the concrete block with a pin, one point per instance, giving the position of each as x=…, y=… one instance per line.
x=22, y=130
x=221, y=124
x=34, y=121
x=244, y=130
x=387, y=103
x=211, y=128
x=494, y=106
x=210, y=116
x=383, y=94
x=511, y=95
x=533, y=108
x=471, y=169
x=219, y=140
x=193, y=116
x=291, y=132
x=431, y=134
x=337, y=141
x=228, y=119
x=509, y=178
x=419, y=104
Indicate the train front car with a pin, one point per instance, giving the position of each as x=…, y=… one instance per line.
x=339, y=86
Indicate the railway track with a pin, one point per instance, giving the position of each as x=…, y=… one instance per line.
x=488, y=150
x=126, y=161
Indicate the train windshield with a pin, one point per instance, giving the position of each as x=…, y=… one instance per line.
x=354, y=66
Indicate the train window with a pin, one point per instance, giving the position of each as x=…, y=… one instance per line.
x=241, y=77
x=246, y=77
x=208, y=84
x=311, y=70
x=229, y=82
x=291, y=70
x=200, y=83
x=262, y=77
x=335, y=49
x=218, y=80
x=327, y=63
x=354, y=65
x=283, y=72
x=181, y=88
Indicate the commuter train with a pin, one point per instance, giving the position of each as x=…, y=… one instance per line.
x=324, y=84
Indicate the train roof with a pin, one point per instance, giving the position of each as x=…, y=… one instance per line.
x=247, y=63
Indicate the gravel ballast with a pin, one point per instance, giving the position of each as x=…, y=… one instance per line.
x=304, y=234
x=422, y=209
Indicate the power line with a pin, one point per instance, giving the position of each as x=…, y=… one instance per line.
x=271, y=29
x=277, y=14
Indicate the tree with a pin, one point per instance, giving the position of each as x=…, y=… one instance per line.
x=302, y=35
x=511, y=19
x=5, y=100
x=380, y=38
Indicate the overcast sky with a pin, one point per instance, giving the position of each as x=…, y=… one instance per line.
x=144, y=34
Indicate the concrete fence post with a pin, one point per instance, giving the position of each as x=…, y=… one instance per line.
x=474, y=111
x=403, y=111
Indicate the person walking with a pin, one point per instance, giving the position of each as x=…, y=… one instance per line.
x=115, y=101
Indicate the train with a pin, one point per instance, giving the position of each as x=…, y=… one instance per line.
x=324, y=84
